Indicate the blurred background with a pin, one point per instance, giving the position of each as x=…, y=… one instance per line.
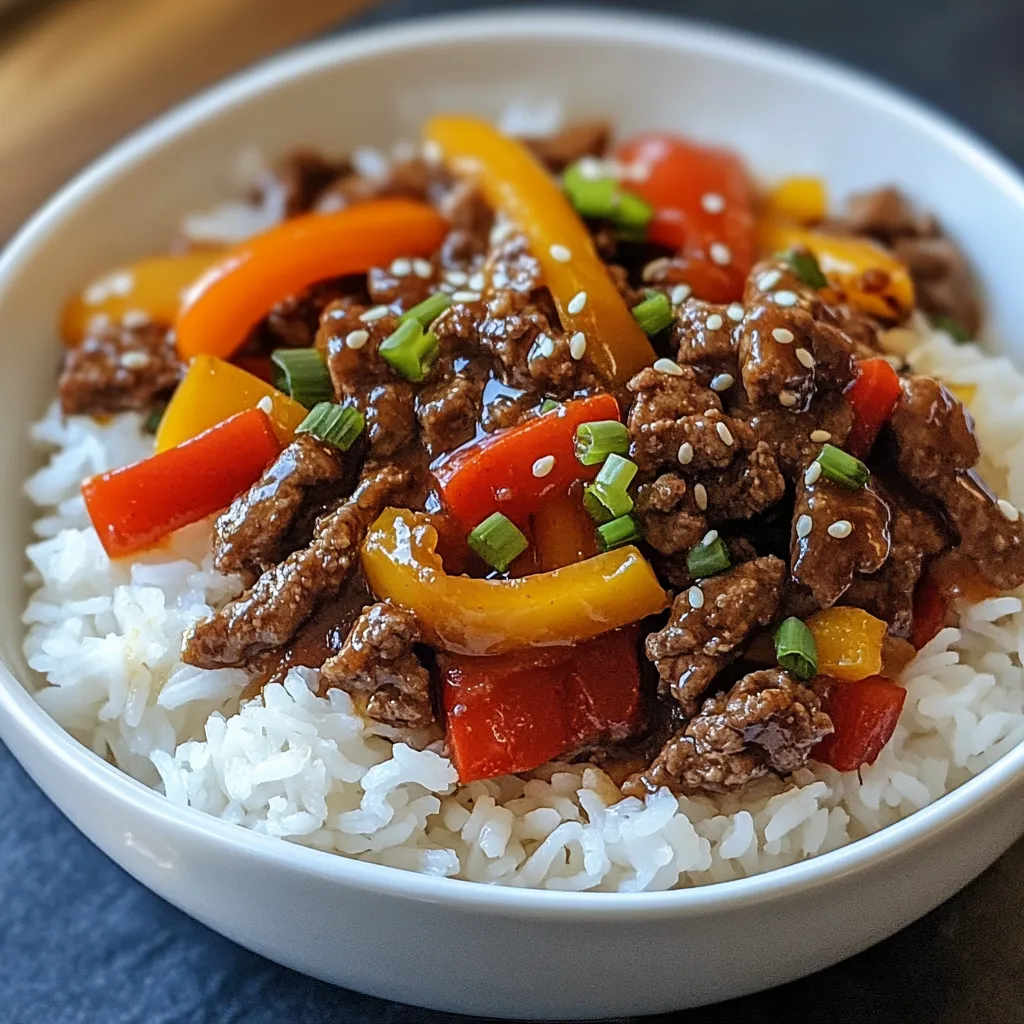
x=80, y=942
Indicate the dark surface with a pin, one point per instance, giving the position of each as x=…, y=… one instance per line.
x=81, y=942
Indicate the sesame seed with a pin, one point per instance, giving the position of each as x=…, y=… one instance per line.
x=577, y=302
x=735, y=312
x=709, y=538
x=501, y=230
x=769, y=280
x=423, y=268
x=134, y=360
x=499, y=279
x=667, y=366
x=1010, y=511
x=265, y=404
x=714, y=322
x=374, y=314
x=680, y=293
x=812, y=473
x=655, y=267
x=432, y=152
x=577, y=345
x=401, y=267
x=465, y=296
x=722, y=382
x=685, y=453
x=787, y=398
x=724, y=432
x=457, y=278
x=803, y=526
x=712, y=202
x=820, y=436
x=720, y=254
x=591, y=168
x=121, y=283
x=700, y=495
x=447, y=288
x=134, y=318
x=786, y=298
x=357, y=339
x=544, y=465
x=783, y=336
x=560, y=253
x=477, y=282
x=696, y=597
x=805, y=358
x=840, y=528
x=544, y=346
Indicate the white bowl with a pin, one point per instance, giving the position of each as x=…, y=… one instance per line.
x=438, y=942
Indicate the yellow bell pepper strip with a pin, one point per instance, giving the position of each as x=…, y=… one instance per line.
x=152, y=286
x=849, y=642
x=870, y=277
x=515, y=183
x=213, y=390
x=799, y=200
x=474, y=616
x=251, y=278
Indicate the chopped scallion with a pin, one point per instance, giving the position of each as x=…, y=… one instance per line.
x=952, y=328
x=805, y=265
x=302, y=373
x=409, y=350
x=623, y=530
x=633, y=213
x=595, y=441
x=795, y=649
x=339, y=425
x=594, y=506
x=707, y=559
x=498, y=541
x=654, y=314
x=842, y=468
x=597, y=198
x=548, y=405
x=427, y=311
x=609, y=488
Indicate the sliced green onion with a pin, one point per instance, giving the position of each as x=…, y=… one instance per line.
x=654, y=314
x=595, y=441
x=707, y=559
x=548, y=405
x=610, y=487
x=427, y=311
x=952, y=328
x=842, y=468
x=498, y=541
x=409, y=351
x=623, y=530
x=339, y=425
x=302, y=373
x=596, y=198
x=634, y=213
x=795, y=649
x=805, y=265
x=151, y=424
x=594, y=506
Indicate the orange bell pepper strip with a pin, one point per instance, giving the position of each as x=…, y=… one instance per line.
x=798, y=199
x=514, y=182
x=475, y=616
x=873, y=396
x=563, y=531
x=152, y=286
x=849, y=642
x=864, y=714
x=250, y=279
x=135, y=507
x=213, y=390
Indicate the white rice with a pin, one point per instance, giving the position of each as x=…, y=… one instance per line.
x=106, y=637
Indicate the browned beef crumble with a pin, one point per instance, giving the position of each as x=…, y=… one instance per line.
x=565, y=147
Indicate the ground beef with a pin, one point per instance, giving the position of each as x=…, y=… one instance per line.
x=565, y=147
x=701, y=638
x=297, y=181
x=768, y=722
x=377, y=660
x=449, y=408
x=117, y=368
x=709, y=350
x=409, y=179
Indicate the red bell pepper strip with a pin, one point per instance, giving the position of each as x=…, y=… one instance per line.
x=703, y=200
x=514, y=712
x=930, y=610
x=496, y=474
x=873, y=395
x=864, y=714
x=136, y=506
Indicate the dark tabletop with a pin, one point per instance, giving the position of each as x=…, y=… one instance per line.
x=82, y=943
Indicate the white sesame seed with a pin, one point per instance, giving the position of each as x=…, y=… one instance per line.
x=680, y=293
x=432, y=152
x=709, y=538
x=840, y=528
x=121, y=283
x=544, y=346
x=501, y=230
x=805, y=358
x=477, y=282
x=783, y=336
x=560, y=253
x=712, y=202
x=1010, y=511
x=591, y=168
x=735, y=312
x=803, y=526
x=696, y=597
x=544, y=465
x=787, y=398
x=423, y=268
x=447, y=288
x=465, y=296
x=655, y=267
x=786, y=298
x=812, y=473
x=134, y=318
x=722, y=382
x=685, y=453
x=577, y=345
x=357, y=339
x=134, y=360
x=720, y=254
x=374, y=314
x=265, y=404
x=499, y=279
x=724, y=433
x=714, y=322
x=667, y=366
x=820, y=436
x=769, y=279
x=401, y=267
x=457, y=278
x=577, y=302
x=700, y=495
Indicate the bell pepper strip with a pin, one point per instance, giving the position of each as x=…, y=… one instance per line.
x=151, y=286
x=514, y=182
x=849, y=642
x=251, y=278
x=475, y=616
x=135, y=507
x=864, y=714
x=496, y=474
x=870, y=277
x=873, y=396
x=704, y=210
x=930, y=610
x=799, y=200
x=514, y=712
x=213, y=390
x=563, y=532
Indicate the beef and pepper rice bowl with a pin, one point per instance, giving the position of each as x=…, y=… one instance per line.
x=560, y=511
